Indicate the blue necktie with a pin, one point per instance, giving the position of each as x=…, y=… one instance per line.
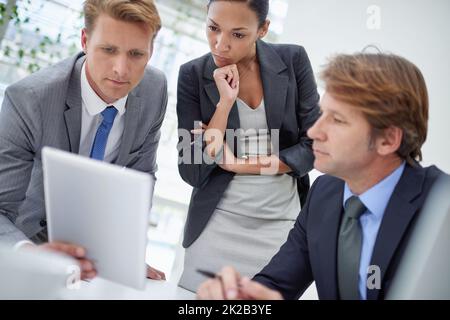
x=101, y=137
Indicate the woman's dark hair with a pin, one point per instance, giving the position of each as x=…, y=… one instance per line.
x=260, y=7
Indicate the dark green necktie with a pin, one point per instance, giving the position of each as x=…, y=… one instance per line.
x=349, y=249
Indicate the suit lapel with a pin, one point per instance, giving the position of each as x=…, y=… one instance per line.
x=275, y=84
x=327, y=241
x=132, y=115
x=213, y=95
x=72, y=115
x=396, y=219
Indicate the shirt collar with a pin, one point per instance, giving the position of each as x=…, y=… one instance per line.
x=377, y=197
x=94, y=104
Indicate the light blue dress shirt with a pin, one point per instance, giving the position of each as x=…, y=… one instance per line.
x=376, y=200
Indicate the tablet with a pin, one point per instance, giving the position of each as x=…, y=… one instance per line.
x=102, y=207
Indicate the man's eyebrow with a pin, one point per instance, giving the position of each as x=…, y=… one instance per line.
x=107, y=45
x=337, y=113
x=332, y=111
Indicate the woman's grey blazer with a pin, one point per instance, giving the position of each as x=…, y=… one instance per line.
x=291, y=102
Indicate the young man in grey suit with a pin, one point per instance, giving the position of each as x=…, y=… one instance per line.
x=350, y=235
x=104, y=103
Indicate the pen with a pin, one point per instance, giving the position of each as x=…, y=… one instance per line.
x=208, y=274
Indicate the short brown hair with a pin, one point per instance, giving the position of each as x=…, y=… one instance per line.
x=143, y=11
x=388, y=89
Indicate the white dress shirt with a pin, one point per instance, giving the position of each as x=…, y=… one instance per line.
x=92, y=106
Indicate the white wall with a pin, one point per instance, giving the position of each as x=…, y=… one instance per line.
x=419, y=30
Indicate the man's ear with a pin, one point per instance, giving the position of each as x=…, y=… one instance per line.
x=152, y=45
x=389, y=141
x=84, y=39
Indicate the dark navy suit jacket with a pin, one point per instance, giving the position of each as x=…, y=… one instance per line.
x=310, y=252
x=291, y=104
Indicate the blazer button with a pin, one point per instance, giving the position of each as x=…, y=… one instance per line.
x=43, y=223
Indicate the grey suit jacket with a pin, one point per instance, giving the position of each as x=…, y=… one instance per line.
x=44, y=109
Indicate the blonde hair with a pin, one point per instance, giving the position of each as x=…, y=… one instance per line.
x=140, y=11
x=388, y=89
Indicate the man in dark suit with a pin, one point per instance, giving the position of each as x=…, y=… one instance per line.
x=104, y=103
x=352, y=231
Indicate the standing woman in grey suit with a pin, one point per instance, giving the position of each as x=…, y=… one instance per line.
x=248, y=184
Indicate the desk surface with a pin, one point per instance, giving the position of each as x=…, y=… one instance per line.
x=102, y=289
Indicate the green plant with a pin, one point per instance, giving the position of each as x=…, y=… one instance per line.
x=32, y=55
